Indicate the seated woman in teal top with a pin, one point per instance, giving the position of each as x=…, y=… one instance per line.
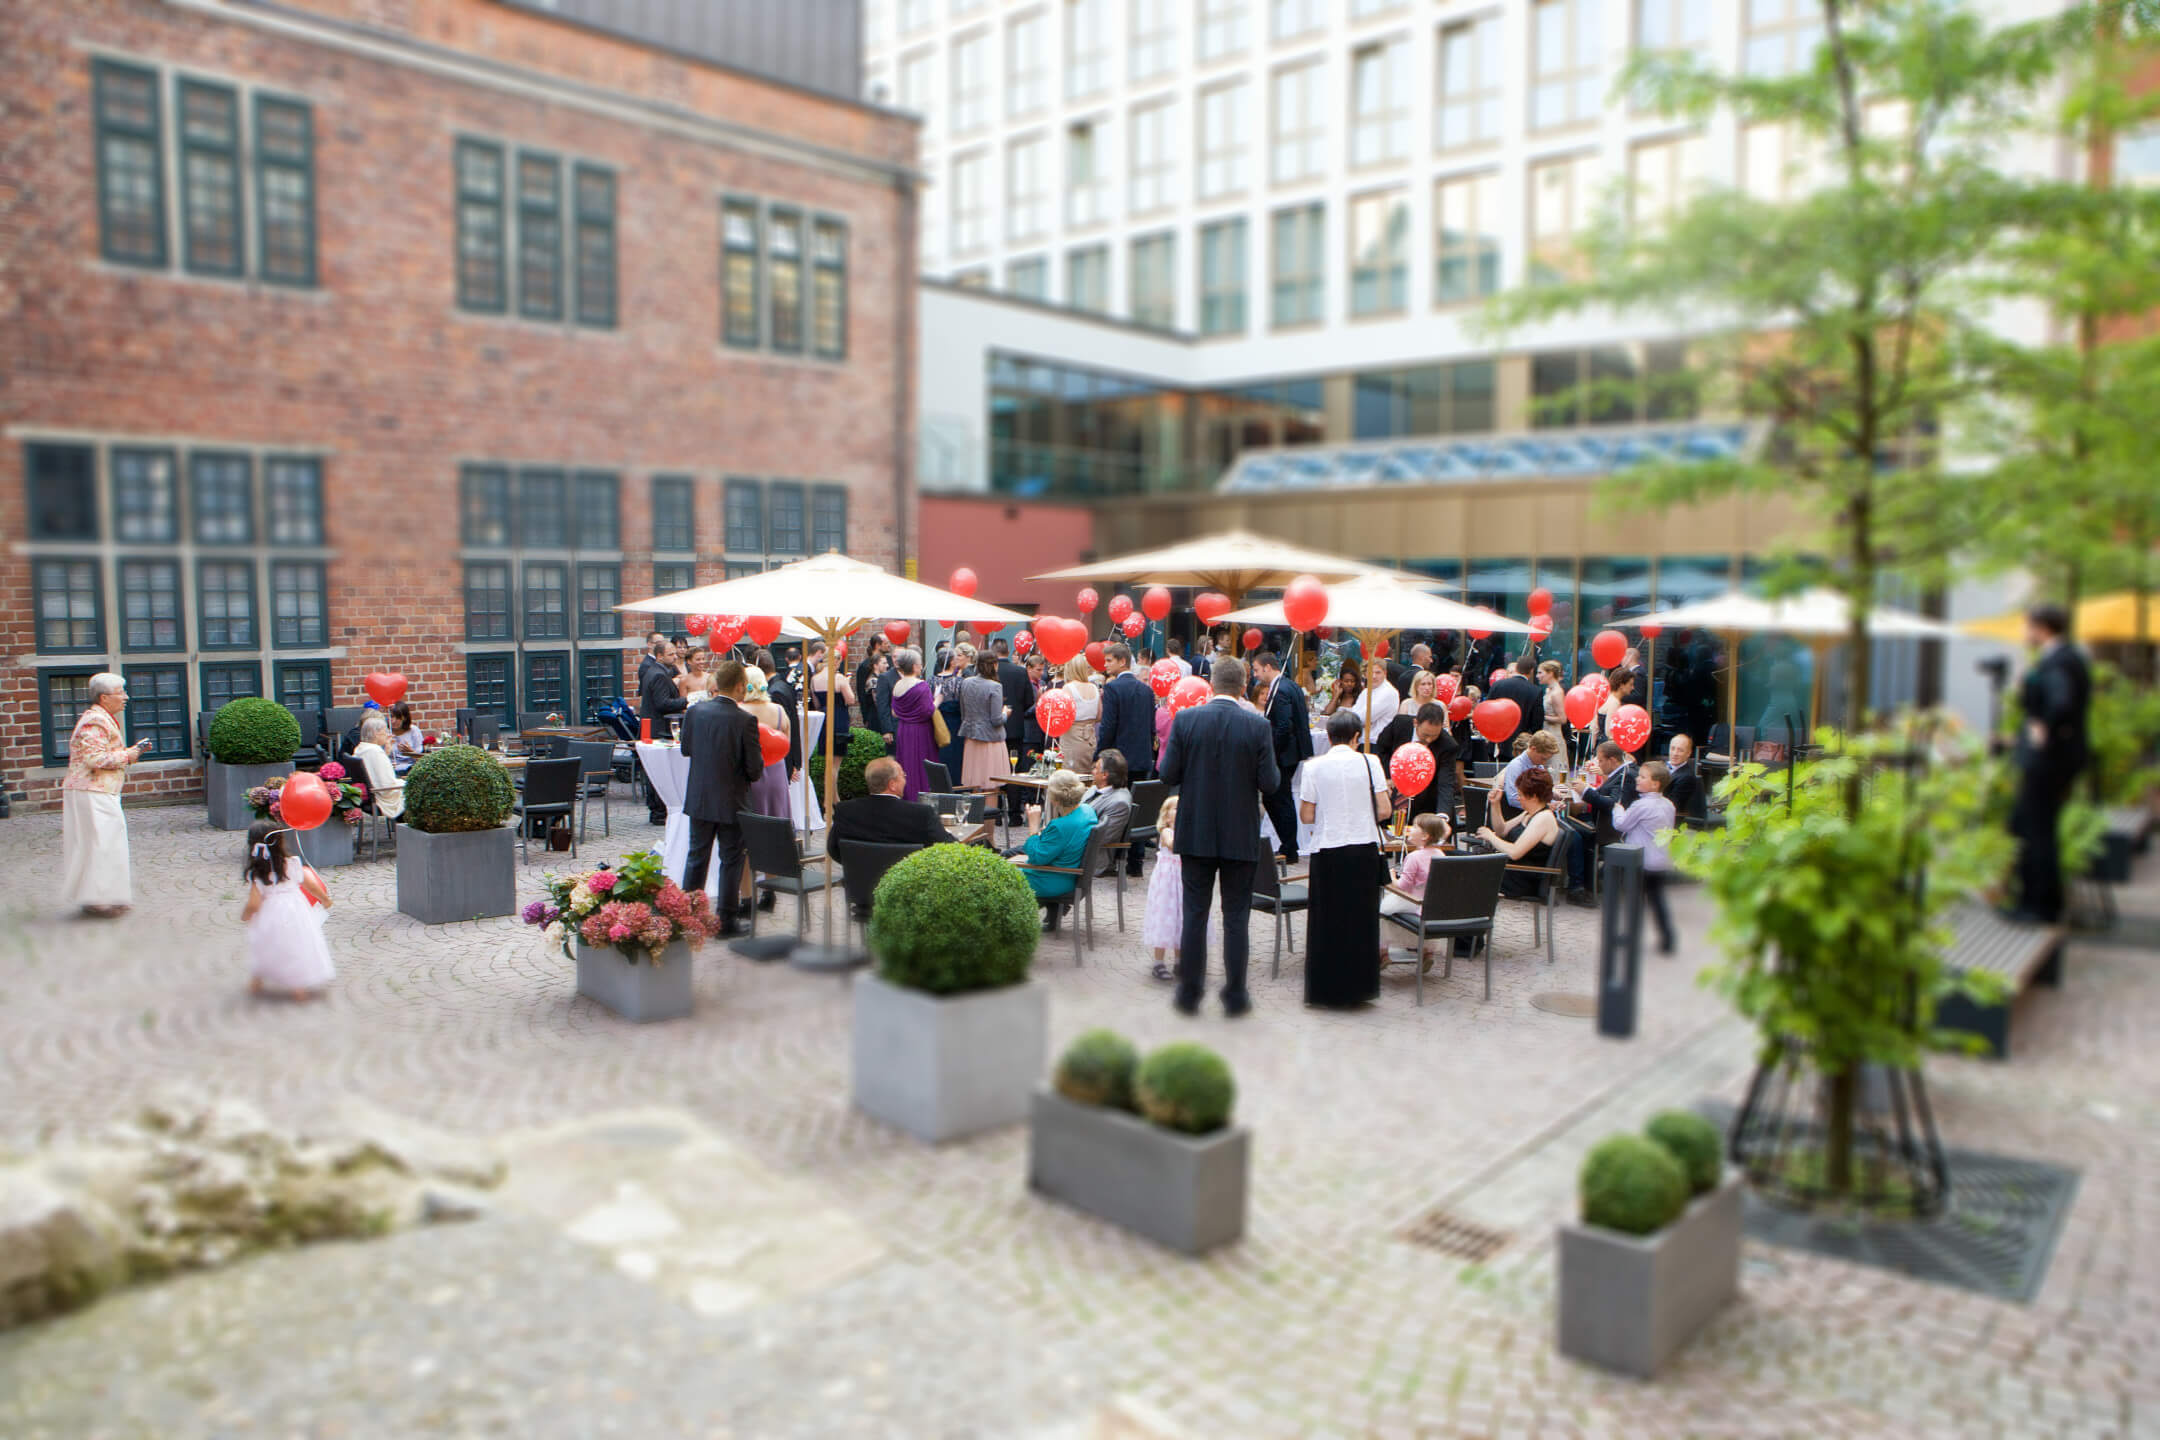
x=1063, y=839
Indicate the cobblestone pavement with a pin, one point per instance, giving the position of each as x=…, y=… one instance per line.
x=967, y=1307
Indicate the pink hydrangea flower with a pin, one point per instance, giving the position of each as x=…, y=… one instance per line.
x=601, y=881
x=330, y=771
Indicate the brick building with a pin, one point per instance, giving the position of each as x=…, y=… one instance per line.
x=346, y=335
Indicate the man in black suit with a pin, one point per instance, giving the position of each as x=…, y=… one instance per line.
x=2051, y=751
x=1019, y=697
x=1400, y=675
x=1127, y=724
x=658, y=701
x=1691, y=801
x=1520, y=686
x=720, y=740
x=1290, y=730
x=885, y=816
x=1221, y=756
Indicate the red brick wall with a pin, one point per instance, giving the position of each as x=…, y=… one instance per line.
x=379, y=369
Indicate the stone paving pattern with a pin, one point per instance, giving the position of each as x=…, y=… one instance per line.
x=990, y=1312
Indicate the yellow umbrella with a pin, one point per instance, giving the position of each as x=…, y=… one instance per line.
x=2102, y=620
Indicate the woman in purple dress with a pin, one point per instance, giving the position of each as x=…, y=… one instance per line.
x=914, y=739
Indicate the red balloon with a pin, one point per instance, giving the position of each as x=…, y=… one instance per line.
x=1163, y=676
x=727, y=629
x=1323, y=632
x=1120, y=607
x=1054, y=712
x=1609, y=649
x=1188, y=692
x=1305, y=602
x=1481, y=634
x=1094, y=653
x=1059, y=639
x=1651, y=632
x=1023, y=642
x=1380, y=652
x=1630, y=727
x=1494, y=678
x=1540, y=626
x=1459, y=709
x=771, y=744
x=1211, y=606
x=1087, y=600
x=1253, y=639
x=1582, y=703
x=1496, y=720
x=385, y=689
x=1540, y=601
x=898, y=631
x=305, y=801
x=1156, y=603
x=1412, y=768
x=697, y=624
x=764, y=629
x=962, y=582
x=1445, y=686
x=1132, y=625
x=1598, y=686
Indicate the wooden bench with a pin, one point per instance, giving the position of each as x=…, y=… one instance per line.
x=1983, y=941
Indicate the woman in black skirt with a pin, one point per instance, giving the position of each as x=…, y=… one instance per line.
x=1343, y=795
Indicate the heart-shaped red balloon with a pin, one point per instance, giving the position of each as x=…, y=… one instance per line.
x=1496, y=720
x=1210, y=606
x=1023, y=642
x=1460, y=708
x=898, y=631
x=697, y=624
x=1598, y=686
x=1253, y=638
x=1494, y=678
x=1094, y=653
x=1445, y=686
x=384, y=688
x=1651, y=632
x=771, y=744
x=1540, y=601
x=1540, y=626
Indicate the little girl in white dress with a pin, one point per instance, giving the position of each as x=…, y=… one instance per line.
x=286, y=903
x=1163, y=928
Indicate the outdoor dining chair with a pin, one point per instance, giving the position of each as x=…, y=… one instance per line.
x=551, y=788
x=769, y=843
x=860, y=870
x=1082, y=896
x=1549, y=881
x=1462, y=895
x=485, y=731
x=598, y=757
x=1273, y=896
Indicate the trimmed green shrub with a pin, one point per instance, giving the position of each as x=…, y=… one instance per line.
x=863, y=746
x=1694, y=1142
x=1632, y=1185
x=253, y=731
x=951, y=918
x=1186, y=1086
x=457, y=788
x=1097, y=1069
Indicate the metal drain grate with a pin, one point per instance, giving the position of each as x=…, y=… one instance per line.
x=1450, y=1234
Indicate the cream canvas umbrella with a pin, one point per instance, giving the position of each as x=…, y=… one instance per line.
x=829, y=596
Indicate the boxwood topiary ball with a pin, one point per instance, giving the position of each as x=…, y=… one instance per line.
x=1632, y=1185
x=455, y=789
x=952, y=918
x=1694, y=1142
x=1097, y=1069
x=253, y=731
x=1186, y=1086
x=863, y=746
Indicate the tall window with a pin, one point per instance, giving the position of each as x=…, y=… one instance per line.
x=157, y=710
x=744, y=517
x=63, y=491
x=547, y=601
x=224, y=683
x=1154, y=159
x=599, y=592
x=785, y=530
x=539, y=236
x=1380, y=103
x=1291, y=18
x=828, y=289
x=599, y=681
x=146, y=497
x=674, y=513
x=485, y=495
x=70, y=607
x=487, y=601
x=1300, y=244
x=1027, y=65
x=292, y=497
x=1468, y=109
x=131, y=167
x=1029, y=279
x=296, y=606
x=1779, y=161
x=593, y=192
x=1222, y=29
x=210, y=179
x=970, y=202
x=225, y=605
x=1564, y=63
x=1300, y=133
x=971, y=83
x=150, y=617
x=1222, y=278
x=828, y=519
x=1380, y=253
x=783, y=271
x=1027, y=188
x=224, y=494
x=1085, y=184
x=491, y=687
x=599, y=510
x=739, y=271
x=1153, y=281
x=1087, y=47
x=1782, y=36
x=543, y=510
x=62, y=697
x=1561, y=191
x=285, y=190
x=303, y=686
x=915, y=72
x=1672, y=24
x=547, y=683
x=1153, y=38
x=670, y=578
x=1663, y=175
x=1222, y=140
x=1466, y=239
x=1087, y=279
x=480, y=230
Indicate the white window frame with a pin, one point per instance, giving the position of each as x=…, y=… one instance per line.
x=1471, y=116
x=1151, y=38
x=969, y=70
x=1219, y=30
x=1086, y=187
x=1663, y=175
x=1782, y=45
x=1222, y=140
x=970, y=179
x=1311, y=234
x=1297, y=122
x=1153, y=158
x=1553, y=248
x=1027, y=64
x=1572, y=73
x=1098, y=252
x=1087, y=48
x=1393, y=205
x=1480, y=190
x=1232, y=291
x=1152, y=256
x=1289, y=19
x=1027, y=187
x=1379, y=119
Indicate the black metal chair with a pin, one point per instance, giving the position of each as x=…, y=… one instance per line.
x=551, y=788
x=1462, y=894
x=311, y=753
x=534, y=720
x=485, y=731
x=1271, y=895
x=463, y=722
x=202, y=733
x=1476, y=806
x=960, y=807
x=598, y=757
x=549, y=747
x=861, y=868
x=937, y=778
x=1547, y=882
x=336, y=723
x=769, y=843
x=1082, y=895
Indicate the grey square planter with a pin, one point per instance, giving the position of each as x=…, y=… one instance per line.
x=468, y=876
x=1183, y=1191
x=636, y=990
x=328, y=845
x=940, y=1067
x=1629, y=1302
x=225, y=787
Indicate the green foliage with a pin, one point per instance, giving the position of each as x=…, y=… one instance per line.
x=1186, y=1086
x=953, y=918
x=457, y=788
x=864, y=745
x=2079, y=833
x=1097, y=1069
x=253, y=731
x=1631, y=1185
x=1694, y=1142
x=2123, y=728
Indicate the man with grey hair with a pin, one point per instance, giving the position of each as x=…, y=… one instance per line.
x=94, y=870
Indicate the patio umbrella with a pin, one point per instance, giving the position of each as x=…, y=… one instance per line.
x=1235, y=562
x=2103, y=620
x=828, y=595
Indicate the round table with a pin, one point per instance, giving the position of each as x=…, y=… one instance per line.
x=667, y=770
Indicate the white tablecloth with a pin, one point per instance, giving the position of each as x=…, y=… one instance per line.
x=669, y=771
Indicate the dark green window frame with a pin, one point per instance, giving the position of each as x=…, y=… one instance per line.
x=476, y=177
x=786, y=239
x=484, y=507
x=547, y=600
x=674, y=513
x=221, y=494
x=490, y=598
x=592, y=194
x=157, y=710
x=598, y=504
x=302, y=685
x=213, y=227
x=135, y=137
x=146, y=510
x=543, y=509
x=828, y=519
x=224, y=681
x=828, y=288
x=72, y=579
x=743, y=516
x=599, y=592
x=250, y=617
x=292, y=499
x=787, y=526
x=495, y=668
x=668, y=577
x=308, y=632
x=537, y=180
x=153, y=596
x=63, y=491
x=284, y=191
x=57, y=714
x=549, y=684
x=742, y=280
x=599, y=681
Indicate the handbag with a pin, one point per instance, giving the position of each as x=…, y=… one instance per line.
x=939, y=729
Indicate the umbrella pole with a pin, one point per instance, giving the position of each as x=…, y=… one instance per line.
x=1732, y=695
x=830, y=698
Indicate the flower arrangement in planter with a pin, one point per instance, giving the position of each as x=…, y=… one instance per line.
x=348, y=794
x=1145, y=1144
x=631, y=932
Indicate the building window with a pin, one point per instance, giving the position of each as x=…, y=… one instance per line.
x=70, y=606
x=157, y=710
x=1468, y=109
x=739, y=271
x=599, y=592
x=487, y=600
x=303, y=687
x=285, y=191
x=1466, y=238
x=1152, y=281
x=293, y=495
x=146, y=498
x=970, y=202
x=1560, y=195
x=547, y=601
x=1222, y=278
x=1672, y=24
x=1578, y=387
x=1222, y=29
x=592, y=191
x=1564, y=63
x=1085, y=184
x=542, y=521
x=1087, y=48
x=674, y=513
x=599, y=511
x=539, y=237
x=1222, y=140
x=486, y=506
x=1027, y=188
x=1780, y=162
x=915, y=72
x=63, y=695
x=547, y=684
x=599, y=682
x=828, y=519
x=150, y=617
x=1027, y=65
x=1380, y=253
x=744, y=517
x=1029, y=279
x=784, y=263
x=1782, y=36
x=670, y=579
x=1300, y=121
x=480, y=229
x=1152, y=39
x=1154, y=159
x=786, y=518
x=226, y=681
x=736, y=569
x=63, y=491
x=970, y=83
x=1380, y=103
x=828, y=289
x=2137, y=157
x=131, y=167
x=296, y=598
x=1087, y=279
x=1292, y=18
x=225, y=605
x=489, y=688
x=1299, y=258
x=1663, y=176
x=210, y=179
x=223, y=491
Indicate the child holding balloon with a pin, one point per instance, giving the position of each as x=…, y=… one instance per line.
x=286, y=904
